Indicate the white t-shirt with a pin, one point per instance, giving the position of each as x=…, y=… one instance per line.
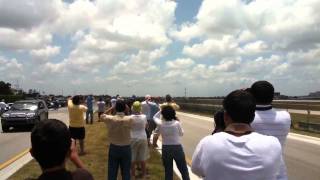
x=223, y=156
x=277, y=124
x=101, y=106
x=145, y=109
x=138, y=127
x=171, y=131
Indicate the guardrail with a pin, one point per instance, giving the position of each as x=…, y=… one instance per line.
x=301, y=121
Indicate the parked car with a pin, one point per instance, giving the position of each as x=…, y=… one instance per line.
x=24, y=113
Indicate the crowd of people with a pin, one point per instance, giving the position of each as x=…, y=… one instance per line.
x=246, y=144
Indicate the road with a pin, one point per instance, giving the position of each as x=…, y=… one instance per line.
x=14, y=142
x=302, y=158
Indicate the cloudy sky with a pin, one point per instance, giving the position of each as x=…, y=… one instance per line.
x=157, y=47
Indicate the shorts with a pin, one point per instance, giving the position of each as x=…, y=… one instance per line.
x=150, y=127
x=77, y=132
x=139, y=150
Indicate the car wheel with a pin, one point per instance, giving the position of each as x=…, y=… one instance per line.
x=5, y=128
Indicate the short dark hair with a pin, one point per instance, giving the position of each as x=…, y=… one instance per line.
x=168, y=98
x=76, y=100
x=120, y=105
x=168, y=113
x=263, y=92
x=240, y=106
x=219, y=121
x=50, y=140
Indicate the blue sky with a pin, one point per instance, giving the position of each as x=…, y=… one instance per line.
x=160, y=46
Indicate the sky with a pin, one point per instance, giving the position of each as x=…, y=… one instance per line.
x=156, y=47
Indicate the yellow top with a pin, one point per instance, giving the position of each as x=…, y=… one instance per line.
x=172, y=104
x=76, y=116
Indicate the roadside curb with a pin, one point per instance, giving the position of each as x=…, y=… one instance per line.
x=175, y=168
x=14, y=164
x=304, y=138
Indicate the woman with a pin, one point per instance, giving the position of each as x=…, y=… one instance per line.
x=139, y=144
x=76, y=121
x=170, y=129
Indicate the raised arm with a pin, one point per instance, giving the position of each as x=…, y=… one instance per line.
x=156, y=118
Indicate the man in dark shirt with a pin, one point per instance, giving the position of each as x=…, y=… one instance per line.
x=51, y=146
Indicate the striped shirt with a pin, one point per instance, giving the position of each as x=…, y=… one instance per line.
x=273, y=123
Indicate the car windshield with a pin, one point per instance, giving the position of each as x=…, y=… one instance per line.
x=24, y=106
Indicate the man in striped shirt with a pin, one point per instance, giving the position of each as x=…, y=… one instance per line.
x=269, y=121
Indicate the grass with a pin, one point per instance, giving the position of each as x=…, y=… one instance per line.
x=96, y=146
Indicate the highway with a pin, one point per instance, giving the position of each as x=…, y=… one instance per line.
x=302, y=154
x=16, y=141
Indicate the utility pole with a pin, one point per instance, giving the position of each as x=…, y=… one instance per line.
x=185, y=93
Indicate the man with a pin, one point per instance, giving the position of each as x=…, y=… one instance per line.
x=101, y=107
x=149, y=109
x=237, y=153
x=119, y=128
x=89, y=101
x=51, y=146
x=3, y=106
x=170, y=102
x=268, y=121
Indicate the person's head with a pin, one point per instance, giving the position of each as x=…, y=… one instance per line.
x=76, y=100
x=136, y=107
x=168, y=113
x=168, y=98
x=263, y=92
x=120, y=106
x=50, y=143
x=147, y=97
x=239, y=107
x=219, y=121
x=100, y=98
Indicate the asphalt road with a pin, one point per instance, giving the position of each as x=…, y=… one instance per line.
x=302, y=157
x=18, y=140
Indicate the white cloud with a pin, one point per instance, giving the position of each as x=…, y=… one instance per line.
x=43, y=55
x=10, y=69
x=227, y=46
x=181, y=63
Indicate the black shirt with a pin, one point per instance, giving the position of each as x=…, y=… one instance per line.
x=63, y=174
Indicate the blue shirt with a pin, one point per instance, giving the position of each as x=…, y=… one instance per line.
x=90, y=103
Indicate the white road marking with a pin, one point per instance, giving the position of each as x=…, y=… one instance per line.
x=295, y=136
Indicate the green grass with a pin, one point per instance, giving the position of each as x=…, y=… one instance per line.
x=96, y=146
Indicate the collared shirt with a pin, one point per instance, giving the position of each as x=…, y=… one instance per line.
x=223, y=156
x=138, y=126
x=119, y=128
x=273, y=123
x=76, y=113
x=171, y=131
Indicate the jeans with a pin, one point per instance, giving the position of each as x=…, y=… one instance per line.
x=170, y=153
x=119, y=156
x=89, y=113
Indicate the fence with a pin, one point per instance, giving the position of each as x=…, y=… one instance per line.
x=302, y=120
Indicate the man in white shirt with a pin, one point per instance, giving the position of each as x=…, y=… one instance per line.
x=237, y=153
x=269, y=121
x=147, y=109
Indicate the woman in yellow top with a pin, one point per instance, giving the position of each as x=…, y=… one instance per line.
x=76, y=121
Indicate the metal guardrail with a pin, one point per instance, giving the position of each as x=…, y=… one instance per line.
x=210, y=106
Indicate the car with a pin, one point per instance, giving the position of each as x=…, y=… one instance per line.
x=24, y=113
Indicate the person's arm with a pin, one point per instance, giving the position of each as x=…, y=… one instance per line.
x=196, y=167
x=156, y=118
x=74, y=157
x=108, y=111
x=180, y=129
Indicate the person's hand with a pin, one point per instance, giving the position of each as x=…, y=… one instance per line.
x=73, y=150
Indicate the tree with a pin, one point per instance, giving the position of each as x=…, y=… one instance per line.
x=5, y=88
